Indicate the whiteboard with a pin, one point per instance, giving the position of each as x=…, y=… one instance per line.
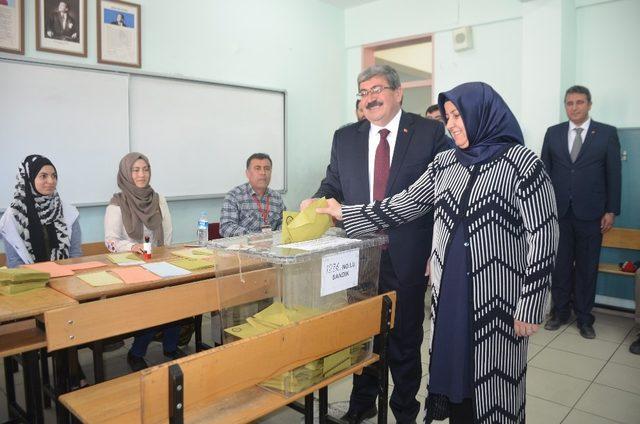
x=198, y=135
x=78, y=118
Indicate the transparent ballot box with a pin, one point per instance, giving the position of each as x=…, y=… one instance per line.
x=279, y=284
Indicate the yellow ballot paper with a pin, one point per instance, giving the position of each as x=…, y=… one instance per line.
x=192, y=264
x=306, y=225
x=197, y=253
x=100, y=278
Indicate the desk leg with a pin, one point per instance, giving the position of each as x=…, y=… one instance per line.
x=324, y=405
x=98, y=361
x=32, y=387
x=383, y=377
x=44, y=371
x=61, y=381
x=308, y=409
x=198, y=330
x=9, y=385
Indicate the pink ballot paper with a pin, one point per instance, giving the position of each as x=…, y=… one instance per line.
x=135, y=274
x=85, y=265
x=52, y=268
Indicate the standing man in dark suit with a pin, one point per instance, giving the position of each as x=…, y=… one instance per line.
x=582, y=157
x=370, y=160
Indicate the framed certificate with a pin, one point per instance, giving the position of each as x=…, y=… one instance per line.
x=119, y=33
x=61, y=26
x=12, y=26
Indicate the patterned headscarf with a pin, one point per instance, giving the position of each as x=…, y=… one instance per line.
x=39, y=218
x=138, y=205
x=490, y=125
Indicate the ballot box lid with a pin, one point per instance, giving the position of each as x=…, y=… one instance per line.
x=269, y=247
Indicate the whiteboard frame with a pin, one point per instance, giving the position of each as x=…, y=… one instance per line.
x=4, y=57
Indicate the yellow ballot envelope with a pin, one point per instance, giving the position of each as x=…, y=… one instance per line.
x=305, y=225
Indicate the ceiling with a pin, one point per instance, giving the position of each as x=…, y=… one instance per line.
x=346, y=4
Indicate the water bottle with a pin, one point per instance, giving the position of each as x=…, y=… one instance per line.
x=203, y=229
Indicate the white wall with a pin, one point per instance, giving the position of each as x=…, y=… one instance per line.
x=529, y=51
x=494, y=59
x=293, y=45
x=608, y=60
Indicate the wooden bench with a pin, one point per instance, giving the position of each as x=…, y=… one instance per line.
x=221, y=385
x=93, y=321
x=23, y=338
x=629, y=239
x=20, y=336
x=620, y=238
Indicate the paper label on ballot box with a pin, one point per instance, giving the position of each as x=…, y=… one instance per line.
x=339, y=271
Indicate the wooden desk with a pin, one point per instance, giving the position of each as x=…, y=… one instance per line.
x=81, y=291
x=31, y=303
x=222, y=385
x=26, y=339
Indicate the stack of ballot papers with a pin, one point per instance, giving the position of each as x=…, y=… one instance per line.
x=294, y=381
x=18, y=280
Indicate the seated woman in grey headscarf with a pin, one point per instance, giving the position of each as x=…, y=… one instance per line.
x=133, y=214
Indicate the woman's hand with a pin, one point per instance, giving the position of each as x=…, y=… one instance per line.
x=333, y=208
x=524, y=329
x=137, y=248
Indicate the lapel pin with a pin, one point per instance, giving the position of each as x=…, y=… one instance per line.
x=404, y=130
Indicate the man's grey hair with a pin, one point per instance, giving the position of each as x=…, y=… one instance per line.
x=380, y=70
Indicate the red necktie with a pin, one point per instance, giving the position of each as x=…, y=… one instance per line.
x=381, y=166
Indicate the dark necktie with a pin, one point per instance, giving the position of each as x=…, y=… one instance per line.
x=577, y=144
x=381, y=166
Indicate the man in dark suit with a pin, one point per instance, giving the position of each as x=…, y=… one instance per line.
x=370, y=160
x=61, y=24
x=582, y=157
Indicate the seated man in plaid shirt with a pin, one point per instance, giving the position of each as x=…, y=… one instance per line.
x=252, y=207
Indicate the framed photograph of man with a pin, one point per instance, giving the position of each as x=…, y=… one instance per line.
x=119, y=33
x=61, y=26
x=12, y=26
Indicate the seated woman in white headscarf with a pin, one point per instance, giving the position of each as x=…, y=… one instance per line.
x=133, y=214
x=38, y=226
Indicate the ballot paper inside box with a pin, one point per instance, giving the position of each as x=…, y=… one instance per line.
x=309, y=279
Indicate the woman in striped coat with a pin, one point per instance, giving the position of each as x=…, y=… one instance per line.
x=494, y=245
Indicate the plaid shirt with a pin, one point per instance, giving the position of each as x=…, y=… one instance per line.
x=240, y=214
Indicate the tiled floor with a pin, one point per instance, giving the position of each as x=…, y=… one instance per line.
x=570, y=380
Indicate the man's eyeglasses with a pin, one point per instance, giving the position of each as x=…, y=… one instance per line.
x=376, y=89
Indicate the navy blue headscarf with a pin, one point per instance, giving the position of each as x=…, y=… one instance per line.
x=490, y=125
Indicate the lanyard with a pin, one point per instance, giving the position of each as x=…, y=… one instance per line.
x=264, y=213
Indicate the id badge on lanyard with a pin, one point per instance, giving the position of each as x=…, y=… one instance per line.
x=265, y=227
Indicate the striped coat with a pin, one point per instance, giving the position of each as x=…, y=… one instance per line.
x=508, y=210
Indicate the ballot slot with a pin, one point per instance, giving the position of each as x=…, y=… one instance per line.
x=298, y=291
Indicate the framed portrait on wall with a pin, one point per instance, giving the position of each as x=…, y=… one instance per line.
x=12, y=26
x=61, y=26
x=119, y=33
